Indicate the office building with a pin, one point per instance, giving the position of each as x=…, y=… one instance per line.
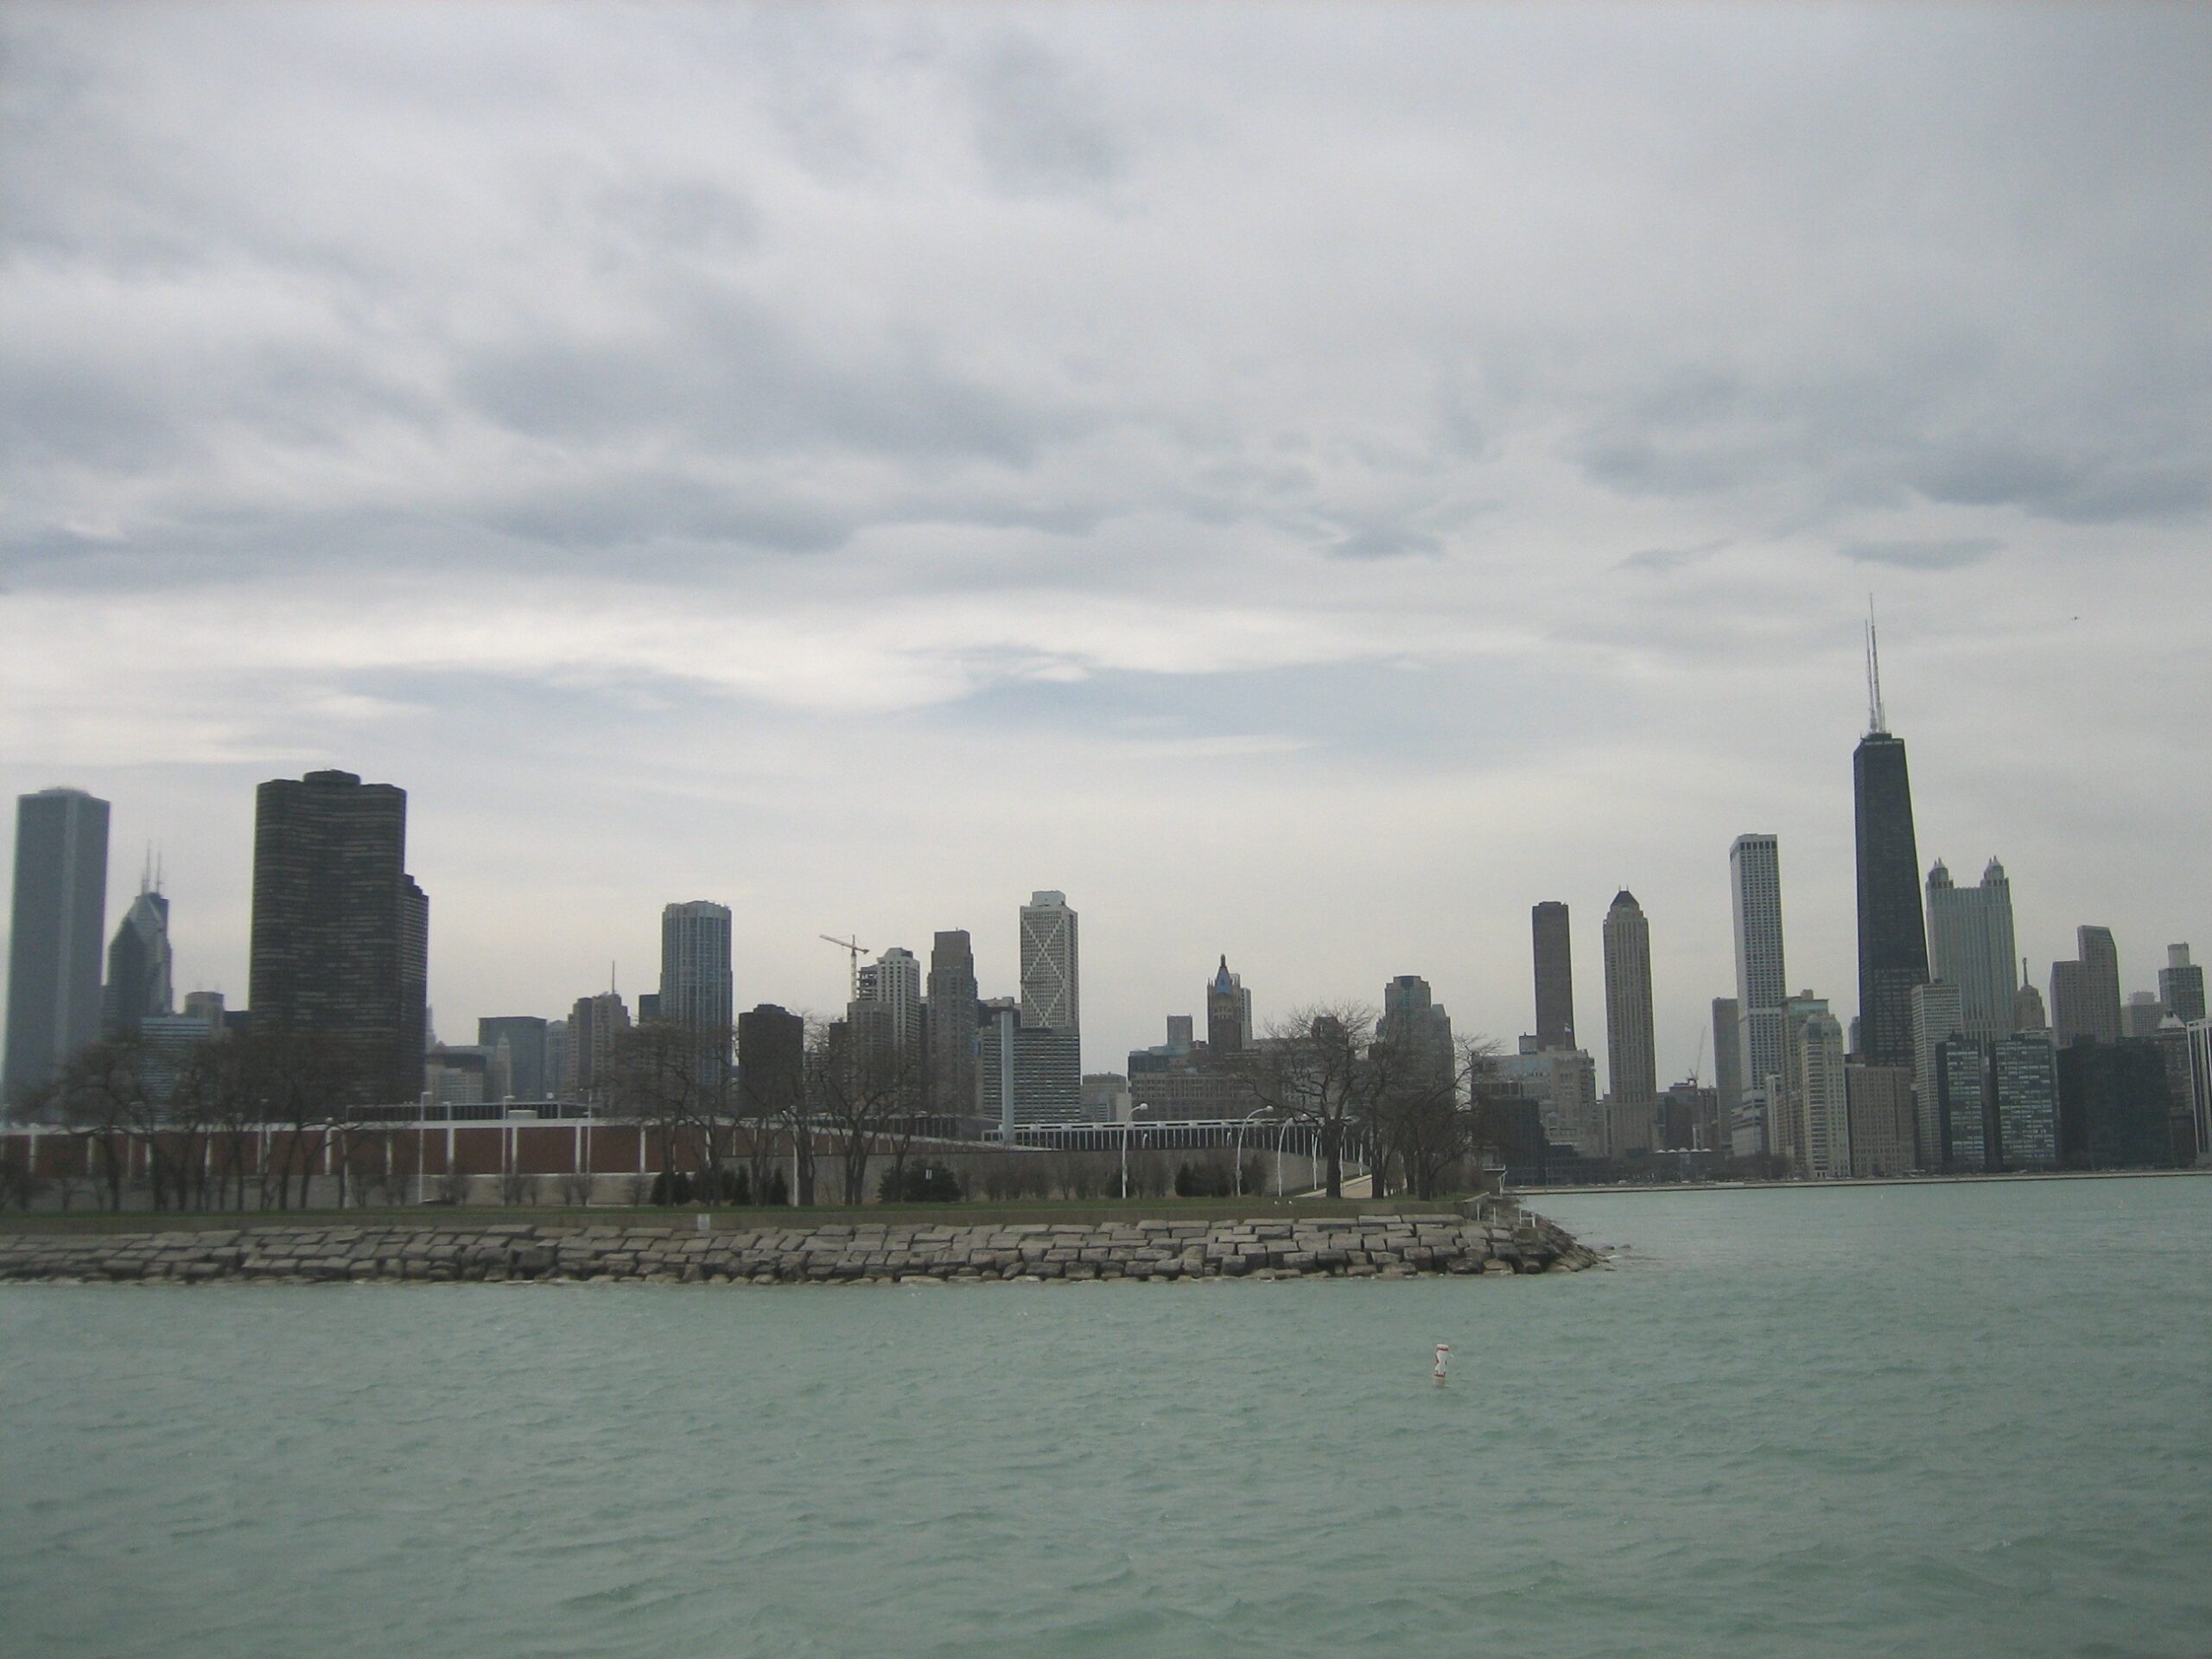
x=54, y=938
x=2028, y=1012
x=524, y=1037
x=1563, y=1081
x=695, y=965
x=2023, y=1075
x=2181, y=986
x=1727, y=1063
x=596, y=1026
x=771, y=1063
x=951, y=1024
x=1883, y=1130
x=998, y=1029
x=1554, y=968
x=340, y=940
x=1632, y=1057
x=2141, y=1015
x=1416, y=1028
x=893, y=982
x=1962, y=1102
x=557, y=1084
x=1229, y=1012
x=1970, y=945
x=2200, y=1087
x=138, y=965
x=2085, y=992
x=1892, y=936
x=1938, y=1014
x=1048, y=1052
x=2113, y=1103
x=1762, y=988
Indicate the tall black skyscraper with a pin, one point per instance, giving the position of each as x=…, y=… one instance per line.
x=1892, y=933
x=1555, y=975
x=951, y=1016
x=54, y=947
x=340, y=931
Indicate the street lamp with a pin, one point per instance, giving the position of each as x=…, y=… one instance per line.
x=1257, y=1111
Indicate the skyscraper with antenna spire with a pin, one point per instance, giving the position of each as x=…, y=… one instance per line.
x=1892, y=932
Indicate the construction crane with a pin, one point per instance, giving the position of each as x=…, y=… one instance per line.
x=853, y=948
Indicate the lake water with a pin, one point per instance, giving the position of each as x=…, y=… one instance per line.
x=1953, y=1420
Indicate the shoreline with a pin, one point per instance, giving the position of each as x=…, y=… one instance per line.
x=1379, y=1247
x=1987, y=1178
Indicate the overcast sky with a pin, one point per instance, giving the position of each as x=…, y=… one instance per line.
x=1307, y=482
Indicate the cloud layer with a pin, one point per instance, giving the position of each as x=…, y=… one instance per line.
x=1309, y=484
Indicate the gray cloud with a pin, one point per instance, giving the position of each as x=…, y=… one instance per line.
x=1040, y=125
x=1665, y=560
x=1955, y=553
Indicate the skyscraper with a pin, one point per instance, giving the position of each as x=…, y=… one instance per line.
x=951, y=1024
x=1970, y=945
x=1415, y=1025
x=2028, y=1011
x=1632, y=1058
x=1229, y=1012
x=526, y=1038
x=1892, y=936
x=1727, y=1064
x=1938, y=1016
x=340, y=931
x=593, y=1024
x=1048, y=1050
x=54, y=943
x=1825, y=1082
x=1554, y=961
x=695, y=972
x=2180, y=987
x=2085, y=992
x=138, y=965
x=1762, y=988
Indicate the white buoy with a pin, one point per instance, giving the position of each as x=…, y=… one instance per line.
x=1443, y=1356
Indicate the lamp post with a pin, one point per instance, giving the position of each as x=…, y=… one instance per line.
x=1257, y=1111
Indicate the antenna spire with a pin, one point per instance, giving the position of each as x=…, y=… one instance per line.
x=1876, y=720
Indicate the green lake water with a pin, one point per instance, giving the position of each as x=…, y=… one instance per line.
x=1943, y=1420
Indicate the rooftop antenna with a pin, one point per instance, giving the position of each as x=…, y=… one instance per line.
x=1876, y=720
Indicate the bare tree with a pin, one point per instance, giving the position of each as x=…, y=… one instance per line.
x=863, y=1093
x=1314, y=1066
x=656, y=1082
x=100, y=1094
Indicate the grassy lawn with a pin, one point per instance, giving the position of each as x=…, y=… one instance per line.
x=442, y=1217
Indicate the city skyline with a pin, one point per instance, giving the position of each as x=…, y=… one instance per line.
x=1198, y=509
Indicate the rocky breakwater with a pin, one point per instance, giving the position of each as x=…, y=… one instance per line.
x=1380, y=1246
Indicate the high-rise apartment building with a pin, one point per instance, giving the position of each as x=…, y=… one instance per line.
x=2085, y=992
x=695, y=965
x=54, y=942
x=340, y=941
x=1970, y=945
x=138, y=965
x=2141, y=1014
x=997, y=1061
x=1761, y=987
x=1229, y=1012
x=1962, y=1098
x=771, y=1062
x=951, y=1021
x=2181, y=986
x=1555, y=964
x=1883, y=1135
x=1825, y=1082
x=1892, y=935
x=1631, y=1056
x=1048, y=1052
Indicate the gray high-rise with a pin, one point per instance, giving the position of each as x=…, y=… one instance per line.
x=1632, y=1060
x=53, y=943
x=1892, y=934
x=694, y=971
x=527, y=1042
x=2180, y=987
x=1048, y=1054
x=139, y=983
x=1555, y=969
x=1970, y=945
x=953, y=1004
x=1762, y=983
x=2085, y=992
x=340, y=939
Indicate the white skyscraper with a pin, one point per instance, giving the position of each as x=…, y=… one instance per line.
x=1826, y=1100
x=893, y=980
x=1762, y=1026
x=1970, y=945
